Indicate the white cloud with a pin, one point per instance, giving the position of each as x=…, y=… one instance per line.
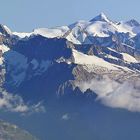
x=66, y=117
x=15, y=103
x=114, y=94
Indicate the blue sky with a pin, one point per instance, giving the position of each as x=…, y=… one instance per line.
x=25, y=15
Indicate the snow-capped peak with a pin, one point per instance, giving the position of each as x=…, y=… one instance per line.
x=100, y=17
x=5, y=30
x=51, y=32
x=85, y=32
x=80, y=24
x=133, y=23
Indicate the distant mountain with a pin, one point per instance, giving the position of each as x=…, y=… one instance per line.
x=100, y=26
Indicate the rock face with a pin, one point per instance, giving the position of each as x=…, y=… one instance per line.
x=12, y=132
x=56, y=62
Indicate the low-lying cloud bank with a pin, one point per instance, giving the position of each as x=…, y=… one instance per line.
x=114, y=94
x=15, y=103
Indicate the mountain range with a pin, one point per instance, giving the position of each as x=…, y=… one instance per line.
x=87, y=61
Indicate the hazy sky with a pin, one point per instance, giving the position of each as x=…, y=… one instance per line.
x=25, y=15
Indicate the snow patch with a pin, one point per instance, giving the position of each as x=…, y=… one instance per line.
x=52, y=32
x=129, y=58
x=22, y=34
x=83, y=59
